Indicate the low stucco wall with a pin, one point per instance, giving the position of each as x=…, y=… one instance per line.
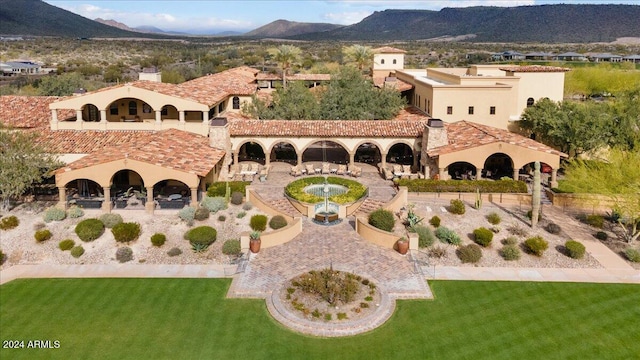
x=275, y=237
x=262, y=204
x=581, y=202
x=375, y=235
x=399, y=201
x=498, y=198
x=350, y=209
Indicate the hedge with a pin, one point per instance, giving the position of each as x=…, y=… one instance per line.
x=468, y=186
x=295, y=189
x=220, y=188
x=204, y=235
x=89, y=229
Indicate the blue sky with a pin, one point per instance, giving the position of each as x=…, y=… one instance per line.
x=211, y=16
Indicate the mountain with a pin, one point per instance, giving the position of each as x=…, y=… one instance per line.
x=35, y=17
x=544, y=23
x=284, y=28
x=114, y=23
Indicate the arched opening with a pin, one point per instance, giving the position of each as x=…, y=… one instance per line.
x=530, y=102
x=527, y=171
x=171, y=194
x=284, y=152
x=129, y=110
x=368, y=153
x=498, y=165
x=127, y=189
x=84, y=193
x=329, y=151
x=401, y=154
x=236, y=103
x=169, y=112
x=251, y=151
x=91, y=113
x=462, y=170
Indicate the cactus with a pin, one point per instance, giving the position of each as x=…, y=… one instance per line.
x=535, y=211
x=227, y=193
x=478, y=202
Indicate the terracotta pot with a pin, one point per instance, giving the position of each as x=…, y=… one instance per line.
x=254, y=245
x=403, y=247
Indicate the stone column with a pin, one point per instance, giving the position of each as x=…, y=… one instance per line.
x=516, y=174
x=478, y=173
x=384, y=159
x=235, y=157
x=442, y=174
x=181, y=116
x=352, y=157
x=300, y=159
x=554, y=178
x=106, y=204
x=62, y=198
x=54, y=115
x=78, y=115
x=194, y=197
x=158, y=116
x=103, y=116
x=150, y=205
x=205, y=114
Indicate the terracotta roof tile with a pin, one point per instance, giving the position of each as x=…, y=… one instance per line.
x=173, y=149
x=409, y=123
x=465, y=135
x=295, y=77
x=388, y=50
x=401, y=85
x=28, y=111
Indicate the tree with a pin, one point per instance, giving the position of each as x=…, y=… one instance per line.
x=617, y=178
x=625, y=112
x=61, y=85
x=296, y=102
x=22, y=162
x=359, y=54
x=286, y=56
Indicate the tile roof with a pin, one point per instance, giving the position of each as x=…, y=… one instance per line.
x=400, y=84
x=88, y=141
x=172, y=149
x=534, y=68
x=409, y=123
x=26, y=112
x=388, y=50
x=295, y=77
x=465, y=135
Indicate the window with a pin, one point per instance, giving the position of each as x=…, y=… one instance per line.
x=449, y=110
x=470, y=110
x=164, y=111
x=492, y=110
x=382, y=61
x=133, y=108
x=394, y=61
x=236, y=102
x=419, y=100
x=113, y=109
x=530, y=102
x=220, y=107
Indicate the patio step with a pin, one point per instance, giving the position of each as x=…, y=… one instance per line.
x=284, y=205
x=369, y=205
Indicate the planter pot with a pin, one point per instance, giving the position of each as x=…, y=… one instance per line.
x=254, y=245
x=403, y=247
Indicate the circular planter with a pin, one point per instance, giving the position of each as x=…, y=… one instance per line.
x=254, y=245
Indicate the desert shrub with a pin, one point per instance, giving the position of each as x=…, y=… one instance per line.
x=511, y=240
x=111, y=220
x=575, y=249
x=517, y=230
x=42, y=235
x=75, y=212
x=601, y=235
x=382, y=219
x=247, y=206
x=425, y=236
x=187, y=214
x=158, y=239
x=258, y=222
x=126, y=232
x=510, y=252
x=530, y=214
x=595, y=221
x=77, y=251
x=277, y=222
x=437, y=252
x=220, y=188
x=174, y=252
x=536, y=245
x=331, y=285
x=448, y=236
x=201, y=214
x=457, y=207
x=241, y=214
x=482, y=236
x=469, y=253
x=213, y=204
x=203, y=235
x=236, y=198
x=435, y=221
x=89, y=229
x=9, y=222
x=222, y=218
x=553, y=228
x=494, y=219
x=632, y=254
x=54, y=214
x=124, y=254
x=231, y=247
x=67, y=244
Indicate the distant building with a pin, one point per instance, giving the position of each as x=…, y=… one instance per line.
x=508, y=55
x=605, y=57
x=20, y=68
x=570, y=56
x=632, y=58
x=538, y=56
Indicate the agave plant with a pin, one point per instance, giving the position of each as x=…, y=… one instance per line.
x=254, y=235
x=198, y=247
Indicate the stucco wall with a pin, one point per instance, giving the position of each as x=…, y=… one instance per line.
x=374, y=235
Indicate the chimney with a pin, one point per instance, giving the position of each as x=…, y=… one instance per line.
x=150, y=74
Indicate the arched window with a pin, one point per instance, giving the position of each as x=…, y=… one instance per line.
x=133, y=108
x=382, y=61
x=221, y=107
x=236, y=103
x=530, y=102
x=394, y=61
x=113, y=109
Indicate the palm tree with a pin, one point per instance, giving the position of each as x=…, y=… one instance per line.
x=286, y=56
x=359, y=54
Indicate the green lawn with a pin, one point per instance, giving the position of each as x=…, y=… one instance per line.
x=191, y=319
